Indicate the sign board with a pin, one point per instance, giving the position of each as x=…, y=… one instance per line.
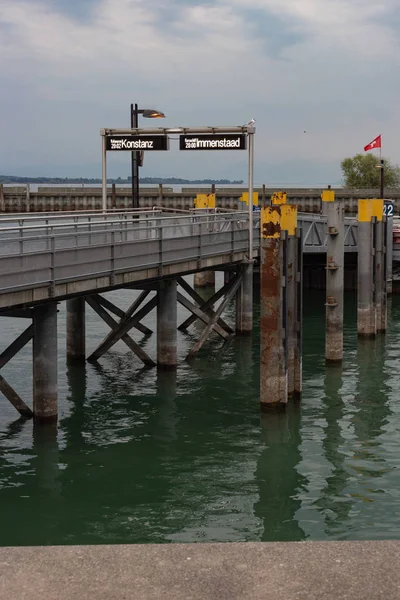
x=388, y=208
x=137, y=143
x=228, y=141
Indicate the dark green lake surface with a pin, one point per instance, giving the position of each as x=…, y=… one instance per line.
x=144, y=457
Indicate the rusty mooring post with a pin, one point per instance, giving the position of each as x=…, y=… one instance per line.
x=298, y=351
x=366, y=312
x=334, y=277
x=113, y=196
x=389, y=254
x=380, y=273
x=273, y=318
x=289, y=224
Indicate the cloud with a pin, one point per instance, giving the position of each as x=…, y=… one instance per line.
x=321, y=65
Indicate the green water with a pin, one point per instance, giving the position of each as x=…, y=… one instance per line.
x=140, y=457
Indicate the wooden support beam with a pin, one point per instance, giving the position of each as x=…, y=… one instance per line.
x=15, y=399
x=120, y=332
x=23, y=313
x=234, y=286
x=121, y=314
x=16, y=346
x=205, y=307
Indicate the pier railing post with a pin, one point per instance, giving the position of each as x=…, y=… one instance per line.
x=334, y=277
x=273, y=318
x=45, y=372
x=366, y=313
x=76, y=328
x=167, y=324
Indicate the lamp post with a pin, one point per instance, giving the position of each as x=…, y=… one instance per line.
x=148, y=113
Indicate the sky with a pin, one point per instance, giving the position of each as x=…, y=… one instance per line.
x=321, y=78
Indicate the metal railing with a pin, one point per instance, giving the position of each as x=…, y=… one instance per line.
x=59, y=253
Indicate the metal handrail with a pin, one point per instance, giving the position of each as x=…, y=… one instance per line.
x=160, y=224
x=206, y=219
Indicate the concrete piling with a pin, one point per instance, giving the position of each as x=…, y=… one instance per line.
x=244, y=302
x=370, y=212
x=379, y=275
x=167, y=324
x=389, y=255
x=366, y=315
x=45, y=372
x=298, y=351
x=76, y=328
x=289, y=225
x=334, y=212
x=204, y=279
x=281, y=306
x=273, y=318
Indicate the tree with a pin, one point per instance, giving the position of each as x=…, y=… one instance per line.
x=362, y=171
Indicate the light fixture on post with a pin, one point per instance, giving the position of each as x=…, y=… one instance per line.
x=148, y=113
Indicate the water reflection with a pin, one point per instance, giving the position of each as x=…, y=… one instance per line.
x=334, y=503
x=278, y=479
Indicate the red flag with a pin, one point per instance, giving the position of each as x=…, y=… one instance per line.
x=376, y=143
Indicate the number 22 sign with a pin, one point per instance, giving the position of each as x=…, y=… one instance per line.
x=388, y=209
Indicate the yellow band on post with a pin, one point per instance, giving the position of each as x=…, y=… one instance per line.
x=279, y=198
x=328, y=196
x=204, y=201
x=289, y=218
x=271, y=222
x=370, y=208
x=377, y=208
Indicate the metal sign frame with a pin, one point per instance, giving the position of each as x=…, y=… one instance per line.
x=248, y=130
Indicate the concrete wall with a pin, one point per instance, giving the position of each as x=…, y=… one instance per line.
x=19, y=199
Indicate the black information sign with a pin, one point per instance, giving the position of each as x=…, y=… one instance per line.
x=229, y=141
x=137, y=143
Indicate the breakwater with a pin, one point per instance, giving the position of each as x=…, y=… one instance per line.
x=47, y=199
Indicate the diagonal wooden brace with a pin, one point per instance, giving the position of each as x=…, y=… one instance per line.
x=15, y=399
x=121, y=314
x=201, y=315
x=116, y=334
x=212, y=324
x=5, y=387
x=119, y=332
x=203, y=306
x=16, y=346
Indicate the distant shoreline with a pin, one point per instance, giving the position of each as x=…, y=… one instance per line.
x=145, y=180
